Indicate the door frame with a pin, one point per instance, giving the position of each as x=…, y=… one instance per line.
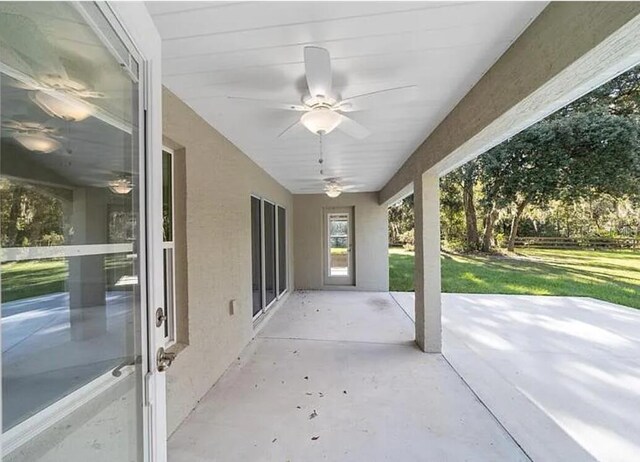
x=140, y=34
x=327, y=278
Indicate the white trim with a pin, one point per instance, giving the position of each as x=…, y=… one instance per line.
x=141, y=32
x=50, y=415
x=10, y=254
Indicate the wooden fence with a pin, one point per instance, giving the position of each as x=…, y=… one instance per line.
x=577, y=242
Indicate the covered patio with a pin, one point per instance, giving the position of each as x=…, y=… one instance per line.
x=254, y=237
x=337, y=376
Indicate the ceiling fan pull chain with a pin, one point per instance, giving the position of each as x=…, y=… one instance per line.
x=320, y=160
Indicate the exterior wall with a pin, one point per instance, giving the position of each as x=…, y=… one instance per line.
x=371, y=240
x=219, y=180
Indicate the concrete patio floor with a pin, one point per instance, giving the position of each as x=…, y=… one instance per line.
x=336, y=376
x=562, y=374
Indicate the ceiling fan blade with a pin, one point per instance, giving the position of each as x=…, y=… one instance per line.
x=317, y=65
x=289, y=129
x=352, y=128
x=271, y=104
x=386, y=96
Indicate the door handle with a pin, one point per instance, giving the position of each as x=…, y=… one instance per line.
x=164, y=359
x=117, y=372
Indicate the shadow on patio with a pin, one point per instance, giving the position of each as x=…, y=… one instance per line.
x=561, y=373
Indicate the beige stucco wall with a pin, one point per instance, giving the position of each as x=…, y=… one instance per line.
x=370, y=247
x=219, y=180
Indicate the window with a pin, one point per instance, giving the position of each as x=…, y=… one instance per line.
x=168, y=246
x=268, y=253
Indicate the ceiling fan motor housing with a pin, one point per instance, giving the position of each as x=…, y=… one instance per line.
x=319, y=101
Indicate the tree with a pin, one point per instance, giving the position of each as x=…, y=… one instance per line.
x=469, y=174
x=451, y=211
x=401, y=219
x=575, y=156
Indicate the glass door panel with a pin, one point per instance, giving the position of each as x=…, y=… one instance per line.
x=256, y=255
x=70, y=201
x=338, y=244
x=282, y=250
x=269, y=252
x=339, y=255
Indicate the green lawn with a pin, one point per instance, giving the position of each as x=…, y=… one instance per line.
x=612, y=276
x=31, y=278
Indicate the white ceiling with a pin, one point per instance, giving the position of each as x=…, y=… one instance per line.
x=212, y=50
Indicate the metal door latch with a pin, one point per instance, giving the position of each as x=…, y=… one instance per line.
x=164, y=359
x=160, y=317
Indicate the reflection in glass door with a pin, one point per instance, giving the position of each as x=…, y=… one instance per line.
x=70, y=185
x=338, y=247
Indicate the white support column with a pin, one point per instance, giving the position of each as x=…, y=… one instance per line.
x=427, y=267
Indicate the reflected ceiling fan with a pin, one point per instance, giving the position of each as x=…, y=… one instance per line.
x=33, y=136
x=323, y=110
x=43, y=73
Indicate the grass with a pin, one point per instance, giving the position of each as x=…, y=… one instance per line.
x=32, y=278
x=613, y=276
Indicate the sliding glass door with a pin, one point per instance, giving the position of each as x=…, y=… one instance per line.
x=282, y=250
x=256, y=255
x=268, y=253
x=71, y=184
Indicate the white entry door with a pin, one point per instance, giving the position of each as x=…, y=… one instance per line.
x=79, y=373
x=339, y=247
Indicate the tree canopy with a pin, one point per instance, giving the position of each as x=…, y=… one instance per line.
x=583, y=156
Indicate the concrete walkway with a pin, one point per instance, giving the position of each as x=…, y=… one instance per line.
x=336, y=376
x=562, y=374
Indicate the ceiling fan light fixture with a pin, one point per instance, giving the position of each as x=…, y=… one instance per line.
x=333, y=191
x=37, y=142
x=120, y=186
x=63, y=106
x=321, y=120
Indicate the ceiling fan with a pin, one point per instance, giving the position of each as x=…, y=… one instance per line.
x=33, y=136
x=323, y=109
x=332, y=187
x=44, y=74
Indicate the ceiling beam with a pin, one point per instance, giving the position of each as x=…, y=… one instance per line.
x=568, y=50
